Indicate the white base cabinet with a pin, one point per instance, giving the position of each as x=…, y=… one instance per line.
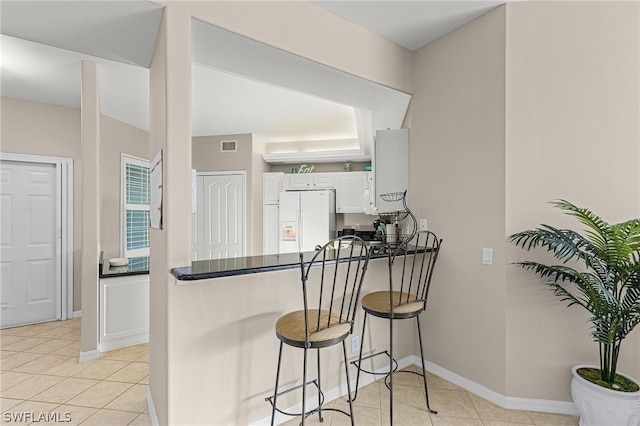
x=124, y=311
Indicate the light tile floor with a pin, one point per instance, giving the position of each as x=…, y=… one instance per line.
x=40, y=373
x=455, y=407
x=41, y=376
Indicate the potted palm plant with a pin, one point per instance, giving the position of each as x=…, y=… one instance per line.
x=605, y=282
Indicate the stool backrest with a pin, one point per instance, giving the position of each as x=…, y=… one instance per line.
x=413, y=267
x=332, y=280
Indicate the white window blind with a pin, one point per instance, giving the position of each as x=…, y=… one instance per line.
x=135, y=202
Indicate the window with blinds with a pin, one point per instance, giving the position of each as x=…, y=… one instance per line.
x=135, y=210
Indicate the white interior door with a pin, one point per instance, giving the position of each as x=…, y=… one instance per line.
x=220, y=216
x=30, y=246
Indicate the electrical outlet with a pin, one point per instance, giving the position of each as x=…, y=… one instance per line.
x=355, y=343
x=423, y=225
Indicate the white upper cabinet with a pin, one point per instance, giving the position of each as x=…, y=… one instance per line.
x=390, y=165
x=271, y=187
x=324, y=180
x=309, y=181
x=352, y=192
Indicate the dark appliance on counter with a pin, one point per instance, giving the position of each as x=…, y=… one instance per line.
x=365, y=235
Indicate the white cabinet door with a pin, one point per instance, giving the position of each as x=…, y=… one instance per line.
x=124, y=311
x=390, y=165
x=352, y=195
x=270, y=223
x=271, y=187
x=298, y=181
x=324, y=180
x=304, y=181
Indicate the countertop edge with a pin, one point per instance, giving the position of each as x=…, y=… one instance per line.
x=184, y=273
x=186, y=276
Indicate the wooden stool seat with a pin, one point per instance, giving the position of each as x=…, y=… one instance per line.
x=405, y=305
x=290, y=328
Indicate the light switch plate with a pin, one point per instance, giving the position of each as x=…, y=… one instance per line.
x=487, y=256
x=423, y=225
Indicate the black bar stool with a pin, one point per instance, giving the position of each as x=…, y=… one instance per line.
x=412, y=265
x=335, y=273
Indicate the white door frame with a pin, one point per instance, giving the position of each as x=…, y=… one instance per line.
x=244, y=199
x=64, y=196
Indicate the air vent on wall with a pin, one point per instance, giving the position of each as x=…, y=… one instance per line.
x=228, y=146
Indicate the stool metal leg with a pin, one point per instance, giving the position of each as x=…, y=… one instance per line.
x=364, y=324
x=424, y=371
x=275, y=394
x=304, y=387
x=391, y=371
x=346, y=370
x=319, y=390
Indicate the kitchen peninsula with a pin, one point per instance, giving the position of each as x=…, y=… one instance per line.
x=222, y=330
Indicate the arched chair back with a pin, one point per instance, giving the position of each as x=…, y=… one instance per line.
x=331, y=284
x=414, y=266
x=332, y=277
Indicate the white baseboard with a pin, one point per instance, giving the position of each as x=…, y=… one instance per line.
x=76, y=314
x=122, y=342
x=508, y=402
x=152, y=409
x=89, y=355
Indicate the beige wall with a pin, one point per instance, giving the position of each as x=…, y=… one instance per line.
x=572, y=132
x=41, y=129
x=116, y=138
x=206, y=155
x=523, y=105
x=313, y=33
x=170, y=131
x=457, y=183
x=90, y=147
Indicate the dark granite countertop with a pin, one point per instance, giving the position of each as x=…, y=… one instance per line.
x=216, y=268
x=206, y=269
x=136, y=266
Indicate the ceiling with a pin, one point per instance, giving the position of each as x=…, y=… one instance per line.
x=43, y=43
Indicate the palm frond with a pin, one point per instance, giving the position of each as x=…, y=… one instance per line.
x=598, y=228
x=608, y=288
x=564, y=244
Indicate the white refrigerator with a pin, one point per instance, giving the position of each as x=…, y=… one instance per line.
x=307, y=219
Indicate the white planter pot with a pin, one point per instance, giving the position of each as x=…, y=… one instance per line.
x=600, y=406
